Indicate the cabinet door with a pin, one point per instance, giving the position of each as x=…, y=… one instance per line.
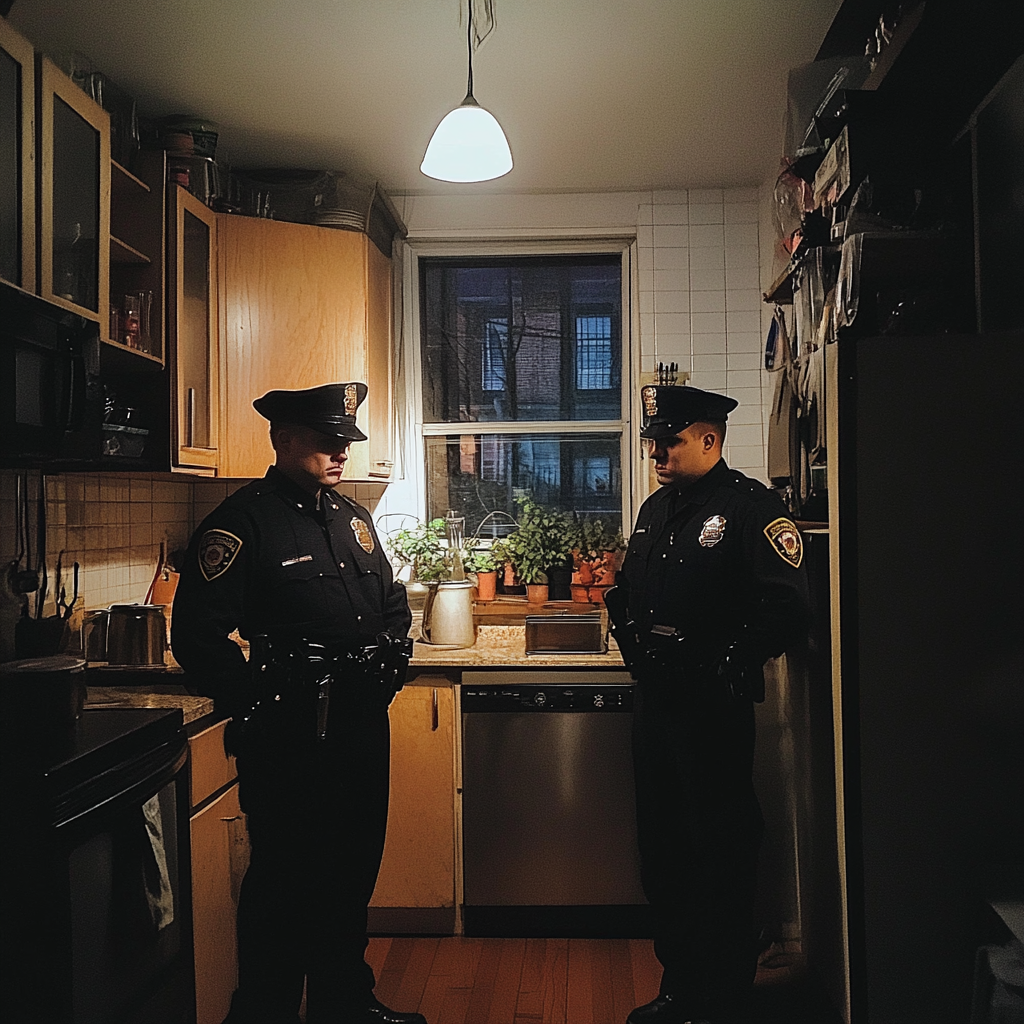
x=295, y=302
x=193, y=327
x=418, y=869
x=220, y=855
x=74, y=196
x=137, y=251
x=379, y=376
x=17, y=160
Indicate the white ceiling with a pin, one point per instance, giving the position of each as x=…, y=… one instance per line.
x=594, y=95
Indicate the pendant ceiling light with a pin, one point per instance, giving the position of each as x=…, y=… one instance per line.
x=468, y=144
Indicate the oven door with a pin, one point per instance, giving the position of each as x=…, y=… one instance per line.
x=97, y=900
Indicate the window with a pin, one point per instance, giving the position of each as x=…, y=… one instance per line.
x=492, y=359
x=593, y=352
x=521, y=361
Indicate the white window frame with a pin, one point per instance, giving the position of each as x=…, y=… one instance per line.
x=413, y=250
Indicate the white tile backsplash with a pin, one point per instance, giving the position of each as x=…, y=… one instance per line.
x=707, y=213
x=708, y=302
x=705, y=258
x=705, y=235
x=672, y=213
x=705, y=310
x=672, y=302
x=672, y=236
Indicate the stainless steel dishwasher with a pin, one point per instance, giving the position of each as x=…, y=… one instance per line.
x=548, y=814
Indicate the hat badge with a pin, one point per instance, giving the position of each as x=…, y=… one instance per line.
x=649, y=395
x=351, y=400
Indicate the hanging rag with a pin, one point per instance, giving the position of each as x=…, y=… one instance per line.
x=159, y=894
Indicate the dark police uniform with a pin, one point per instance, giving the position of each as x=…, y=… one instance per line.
x=273, y=561
x=714, y=587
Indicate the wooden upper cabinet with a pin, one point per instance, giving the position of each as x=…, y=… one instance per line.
x=379, y=371
x=194, y=329
x=302, y=306
x=74, y=196
x=17, y=160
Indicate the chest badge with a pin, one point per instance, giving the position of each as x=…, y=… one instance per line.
x=785, y=538
x=217, y=550
x=363, y=536
x=712, y=531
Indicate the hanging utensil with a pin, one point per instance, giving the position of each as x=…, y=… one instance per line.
x=65, y=607
x=41, y=546
x=24, y=579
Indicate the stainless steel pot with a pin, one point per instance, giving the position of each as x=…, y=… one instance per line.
x=49, y=692
x=136, y=634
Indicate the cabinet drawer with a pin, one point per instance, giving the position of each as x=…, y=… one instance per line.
x=212, y=769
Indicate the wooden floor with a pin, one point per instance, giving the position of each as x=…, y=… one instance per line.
x=554, y=981
x=515, y=981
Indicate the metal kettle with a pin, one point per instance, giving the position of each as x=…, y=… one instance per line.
x=136, y=634
x=448, y=615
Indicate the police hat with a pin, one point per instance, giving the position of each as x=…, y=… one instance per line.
x=330, y=408
x=669, y=409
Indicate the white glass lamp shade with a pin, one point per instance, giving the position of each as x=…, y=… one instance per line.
x=468, y=145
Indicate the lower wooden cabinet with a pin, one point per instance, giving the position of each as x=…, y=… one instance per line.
x=220, y=856
x=418, y=870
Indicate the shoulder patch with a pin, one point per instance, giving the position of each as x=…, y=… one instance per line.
x=363, y=536
x=217, y=550
x=786, y=541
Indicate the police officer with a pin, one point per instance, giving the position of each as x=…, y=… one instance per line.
x=711, y=587
x=299, y=570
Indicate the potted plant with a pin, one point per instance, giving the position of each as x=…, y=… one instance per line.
x=485, y=563
x=542, y=540
x=424, y=550
x=597, y=551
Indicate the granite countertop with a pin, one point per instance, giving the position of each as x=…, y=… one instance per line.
x=192, y=707
x=505, y=647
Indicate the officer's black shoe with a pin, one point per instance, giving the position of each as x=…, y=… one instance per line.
x=663, y=1010
x=378, y=1013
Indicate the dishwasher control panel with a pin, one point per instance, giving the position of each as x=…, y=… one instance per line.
x=597, y=697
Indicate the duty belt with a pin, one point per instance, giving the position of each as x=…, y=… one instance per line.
x=296, y=667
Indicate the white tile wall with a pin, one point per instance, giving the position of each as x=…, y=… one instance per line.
x=698, y=260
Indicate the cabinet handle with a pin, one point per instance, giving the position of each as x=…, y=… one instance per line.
x=433, y=711
x=190, y=416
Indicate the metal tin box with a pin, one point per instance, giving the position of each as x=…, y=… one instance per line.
x=566, y=634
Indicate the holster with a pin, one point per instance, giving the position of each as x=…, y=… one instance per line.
x=622, y=628
x=293, y=681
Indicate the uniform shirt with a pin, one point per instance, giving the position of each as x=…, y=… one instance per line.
x=271, y=559
x=720, y=561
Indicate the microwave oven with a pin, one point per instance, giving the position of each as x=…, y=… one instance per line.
x=56, y=409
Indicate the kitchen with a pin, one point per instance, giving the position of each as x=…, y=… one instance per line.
x=114, y=524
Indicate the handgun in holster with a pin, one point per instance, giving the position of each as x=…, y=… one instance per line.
x=622, y=627
x=287, y=673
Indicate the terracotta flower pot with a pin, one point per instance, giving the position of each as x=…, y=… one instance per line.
x=579, y=593
x=486, y=585
x=536, y=593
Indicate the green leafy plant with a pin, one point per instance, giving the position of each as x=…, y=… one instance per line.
x=543, y=540
x=489, y=559
x=423, y=548
x=594, y=538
